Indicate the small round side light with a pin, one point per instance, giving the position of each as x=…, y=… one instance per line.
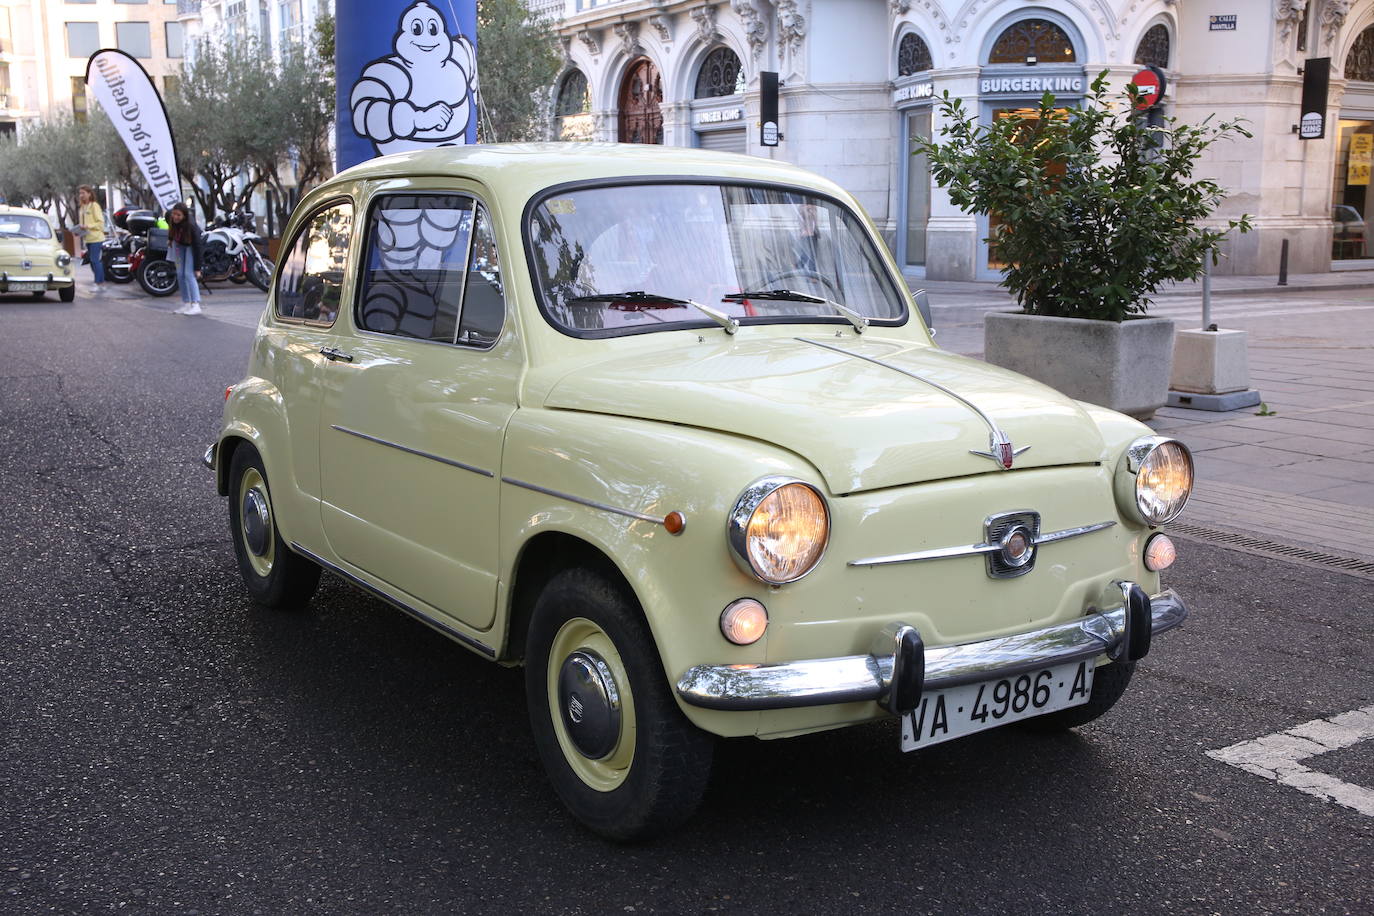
x=1160, y=553
x=744, y=621
x=675, y=522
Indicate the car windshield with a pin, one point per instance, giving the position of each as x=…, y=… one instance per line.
x=641, y=257
x=24, y=227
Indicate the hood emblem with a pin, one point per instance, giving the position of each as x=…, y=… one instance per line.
x=1000, y=450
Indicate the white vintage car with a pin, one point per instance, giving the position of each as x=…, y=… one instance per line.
x=665, y=427
x=31, y=261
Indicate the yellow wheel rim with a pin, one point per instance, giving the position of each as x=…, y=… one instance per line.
x=608, y=772
x=256, y=525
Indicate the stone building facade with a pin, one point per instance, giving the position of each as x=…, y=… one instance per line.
x=859, y=80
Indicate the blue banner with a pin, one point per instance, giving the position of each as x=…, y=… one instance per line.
x=407, y=76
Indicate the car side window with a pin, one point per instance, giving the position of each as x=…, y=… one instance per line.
x=417, y=256
x=310, y=282
x=484, y=302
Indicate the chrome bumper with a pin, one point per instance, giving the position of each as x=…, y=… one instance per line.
x=208, y=459
x=901, y=667
x=50, y=281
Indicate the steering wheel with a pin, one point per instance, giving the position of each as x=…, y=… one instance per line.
x=779, y=281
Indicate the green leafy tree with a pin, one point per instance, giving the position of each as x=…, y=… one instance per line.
x=517, y=60
x=1098, y=209
x=47, y=165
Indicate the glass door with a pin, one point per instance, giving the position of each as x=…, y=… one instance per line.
x=916, y=199
x=1351, y=194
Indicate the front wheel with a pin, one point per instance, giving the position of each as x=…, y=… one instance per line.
x=1109, y=683
x=618, y=750
x=276, y=577
x=260, y=273
x=67, y=293
x=158, y=278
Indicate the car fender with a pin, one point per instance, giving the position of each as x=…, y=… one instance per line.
x=579, y=474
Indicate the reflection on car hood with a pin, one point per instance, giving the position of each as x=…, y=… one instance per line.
x=863, y=425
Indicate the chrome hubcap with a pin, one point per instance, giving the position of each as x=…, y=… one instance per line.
x=256, y=522
x=589, y=702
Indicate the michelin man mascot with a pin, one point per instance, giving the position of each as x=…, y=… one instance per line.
x=421, y=95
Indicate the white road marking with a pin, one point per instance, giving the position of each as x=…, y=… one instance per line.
x=1276, y=757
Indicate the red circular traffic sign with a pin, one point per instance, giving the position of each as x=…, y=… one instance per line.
x=1149, y=83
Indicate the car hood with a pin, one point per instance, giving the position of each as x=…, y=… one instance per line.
x=867, y=413
x=39, y=251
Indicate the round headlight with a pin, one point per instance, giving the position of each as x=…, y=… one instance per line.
x=778, y=529
x=63, y=259
x=1155, y=479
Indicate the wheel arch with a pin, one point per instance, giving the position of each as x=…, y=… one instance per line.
x=541, y=558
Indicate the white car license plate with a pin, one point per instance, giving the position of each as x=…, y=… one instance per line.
x=27, y=286
x=943, y=715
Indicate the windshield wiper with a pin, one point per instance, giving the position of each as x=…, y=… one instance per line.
x=791, y=295
x=641, y=298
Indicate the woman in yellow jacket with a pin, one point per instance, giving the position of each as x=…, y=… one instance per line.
x=91, y=227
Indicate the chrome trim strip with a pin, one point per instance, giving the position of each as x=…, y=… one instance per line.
x=399, y=605
x=993, y=428
x=589, y=503
x=972, y=550
x=856, y=678
x=414, y=451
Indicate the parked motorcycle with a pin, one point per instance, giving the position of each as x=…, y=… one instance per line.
x=115, y=253
x=150, y=265
x=234, y=252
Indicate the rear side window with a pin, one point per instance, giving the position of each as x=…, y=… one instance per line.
x=432, y=271
x=310, y=282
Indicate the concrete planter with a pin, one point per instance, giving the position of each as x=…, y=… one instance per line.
x=1123, y=366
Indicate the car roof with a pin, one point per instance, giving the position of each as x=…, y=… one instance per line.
x=6, y=209
x=524, y=169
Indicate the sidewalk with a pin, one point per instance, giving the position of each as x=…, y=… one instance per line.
x=1302, y=476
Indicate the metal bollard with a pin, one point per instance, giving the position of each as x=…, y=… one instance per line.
x=1283, y=263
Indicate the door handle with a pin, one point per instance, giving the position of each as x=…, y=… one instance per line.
x=334, y=353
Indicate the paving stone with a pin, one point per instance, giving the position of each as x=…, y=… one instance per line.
x=1362, y=471
x=1353, y=494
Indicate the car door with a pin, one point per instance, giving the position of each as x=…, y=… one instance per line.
x=416, y=403
x=304, y=305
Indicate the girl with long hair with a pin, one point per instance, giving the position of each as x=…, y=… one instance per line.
x=186, y=245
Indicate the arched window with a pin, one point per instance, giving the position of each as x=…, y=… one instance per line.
x=1032, y=38
x=720, y=74
x=1359, y=63
x=913, y=55
x=1153, y=50
x=573, y=97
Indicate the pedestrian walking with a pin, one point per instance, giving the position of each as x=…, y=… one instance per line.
x=185, y=246
x=91, y=229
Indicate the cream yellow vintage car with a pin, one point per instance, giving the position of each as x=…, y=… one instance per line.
x=663, y=426
x=31, y=261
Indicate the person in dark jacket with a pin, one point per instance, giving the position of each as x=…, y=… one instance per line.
x=186, y=245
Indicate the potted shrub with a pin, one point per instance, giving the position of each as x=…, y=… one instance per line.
x=1097, y=210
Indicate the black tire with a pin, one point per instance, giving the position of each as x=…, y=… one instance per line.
x=1109, y=683
x=158, y=278
x=67, y=293
x=276, y=577
x=655, y=774
x=118, y=274
x=38, y=294
x=260, y=273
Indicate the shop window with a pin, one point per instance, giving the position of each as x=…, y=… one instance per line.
x=1359, y=63
x=913, y=55
x=1153, y=50
x=573, y=108
x=1032, y=41
x=720, y=75
x=1351, y=190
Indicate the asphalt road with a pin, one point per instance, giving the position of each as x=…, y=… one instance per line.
x=166, y=747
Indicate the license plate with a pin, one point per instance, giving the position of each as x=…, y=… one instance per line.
x=943, y=715
x=27, y=286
